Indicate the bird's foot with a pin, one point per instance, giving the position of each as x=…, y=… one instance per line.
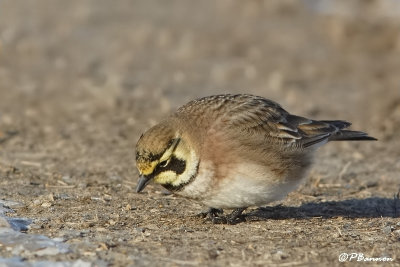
x=216, y=217
x=210, y=213
x=236, y=216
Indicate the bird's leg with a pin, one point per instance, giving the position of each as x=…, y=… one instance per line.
x=215, y=216
x=211, y=212
x=235, y=217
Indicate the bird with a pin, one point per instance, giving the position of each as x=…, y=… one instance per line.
x=233, y=151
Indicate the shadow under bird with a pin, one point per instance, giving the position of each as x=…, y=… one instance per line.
x=233, y=151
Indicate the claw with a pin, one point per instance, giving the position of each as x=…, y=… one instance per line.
x=211, y=212
x=215, y=216
x=236, y=216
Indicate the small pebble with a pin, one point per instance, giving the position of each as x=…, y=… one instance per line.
x=387, y=229
x=46, y=205
x=280, y=255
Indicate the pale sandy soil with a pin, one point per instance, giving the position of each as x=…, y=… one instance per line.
x=80, y=81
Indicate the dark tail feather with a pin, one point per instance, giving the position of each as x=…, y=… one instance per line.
x=339, y=124
x=347, y=135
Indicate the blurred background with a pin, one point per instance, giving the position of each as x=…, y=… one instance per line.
x=98, y=70
x=81, y=80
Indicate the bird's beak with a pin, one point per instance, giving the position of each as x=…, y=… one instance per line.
x=143, y=181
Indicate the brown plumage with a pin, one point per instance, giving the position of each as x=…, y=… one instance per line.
x=233, y=151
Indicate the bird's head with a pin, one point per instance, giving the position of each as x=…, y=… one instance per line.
x=165, y=156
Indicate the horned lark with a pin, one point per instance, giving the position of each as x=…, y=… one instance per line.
x=233, y=151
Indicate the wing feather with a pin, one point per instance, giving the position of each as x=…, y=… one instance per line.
x=267, y=118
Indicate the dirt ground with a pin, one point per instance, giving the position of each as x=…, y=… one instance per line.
x=81, y=80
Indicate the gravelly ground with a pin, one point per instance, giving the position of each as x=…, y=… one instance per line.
x=80, y=81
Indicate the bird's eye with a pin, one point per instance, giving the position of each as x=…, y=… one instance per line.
x=163, y=164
